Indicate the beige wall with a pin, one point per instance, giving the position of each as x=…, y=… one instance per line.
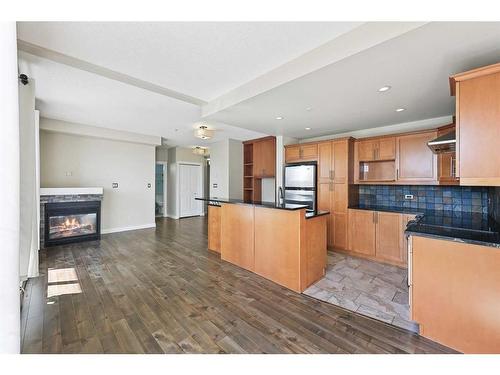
x=79, y=161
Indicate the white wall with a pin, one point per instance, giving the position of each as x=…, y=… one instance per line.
x=9, y=192
x=70, y=161
x=281, y=142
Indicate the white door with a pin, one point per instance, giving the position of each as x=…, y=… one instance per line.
x=189, y=188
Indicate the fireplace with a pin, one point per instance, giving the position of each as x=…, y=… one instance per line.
x=67, y=222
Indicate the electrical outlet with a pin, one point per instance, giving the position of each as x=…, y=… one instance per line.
x=149, y=185
x=215, y=186
x=409, y=197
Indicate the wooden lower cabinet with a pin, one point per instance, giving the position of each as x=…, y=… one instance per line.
x=378, y=235
x=389, y=237
x=455, y=293
x=214, y=228
x=338, y=223
x=362, y=232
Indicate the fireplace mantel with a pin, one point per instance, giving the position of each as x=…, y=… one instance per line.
x=72, y=191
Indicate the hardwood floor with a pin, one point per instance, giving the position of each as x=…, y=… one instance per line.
x=162, y=291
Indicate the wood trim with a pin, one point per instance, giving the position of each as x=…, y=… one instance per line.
x=259, y=139
x=487, y=181
x=474, y=73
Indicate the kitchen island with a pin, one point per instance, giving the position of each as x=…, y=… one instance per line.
x=281, y=242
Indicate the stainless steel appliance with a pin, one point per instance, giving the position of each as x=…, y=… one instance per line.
x=300, y=184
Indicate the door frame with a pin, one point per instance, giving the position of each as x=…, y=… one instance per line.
x=177, y=187
x=165, y=171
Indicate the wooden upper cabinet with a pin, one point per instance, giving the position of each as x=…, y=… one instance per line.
x=309, y=151
x=366, y=150
x=478, y=126
x=264, y=158
x=386, y=149
x=297, y=153
x=362, y=231
x=340, y=162
x=389, y=237
x=416, y=161
x=292, y=153
x=383, y=148
x=325, y=161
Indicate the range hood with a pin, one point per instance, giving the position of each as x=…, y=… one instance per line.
x=445, y=143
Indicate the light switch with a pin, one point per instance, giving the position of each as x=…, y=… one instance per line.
x=214, y=186
x=149, y=185
x=409, y=197
x=114, y=185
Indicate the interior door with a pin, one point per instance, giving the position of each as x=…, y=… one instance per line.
x=189, y=188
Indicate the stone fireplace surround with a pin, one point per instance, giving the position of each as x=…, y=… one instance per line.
x=52, y=195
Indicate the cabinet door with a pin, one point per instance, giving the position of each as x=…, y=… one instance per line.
x=324, y=162
x=416, y=161
x=339, y=230
x=478, y=126
x=362, y=231
x=366, y=150
x=340, y=162
x=386, y=149
x=264, y=158
x=323, y=201
x=258, y=161
x=309, y=152
x=292, y=153
x=389, y=237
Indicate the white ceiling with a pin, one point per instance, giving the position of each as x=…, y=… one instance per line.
x=208, y=60
x=200, y=59
x=73, y=95
x=344, y=97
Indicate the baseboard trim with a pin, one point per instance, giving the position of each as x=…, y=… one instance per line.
x=124, y=229
x=173, y=216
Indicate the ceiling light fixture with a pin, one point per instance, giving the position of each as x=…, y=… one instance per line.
x=400, y=109
x=203, y=132
x=279, y=118
x=384, y=88
x=197, y=150
x=308, y=128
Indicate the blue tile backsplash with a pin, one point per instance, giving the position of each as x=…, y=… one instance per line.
x=447, y=198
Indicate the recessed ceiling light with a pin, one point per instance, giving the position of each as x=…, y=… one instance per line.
x=308, y=108
x=384, y=88
x=279, y=118
x=308, y=128
x=400, y=109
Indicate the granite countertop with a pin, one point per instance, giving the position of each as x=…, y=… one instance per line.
x=467, y=227
x=283, y=206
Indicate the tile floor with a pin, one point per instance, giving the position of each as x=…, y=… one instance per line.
x=369, y=288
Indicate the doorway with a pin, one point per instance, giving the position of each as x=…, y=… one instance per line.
x=160, y=190
x=190, y=187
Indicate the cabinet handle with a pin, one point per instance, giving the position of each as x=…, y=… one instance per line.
x=373, y=217
x=397, y=173
x=373, y=152
x=330, y=186
x=300, y=153
x=333, y=174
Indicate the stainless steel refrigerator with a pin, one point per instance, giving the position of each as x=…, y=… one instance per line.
x=300, y=184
